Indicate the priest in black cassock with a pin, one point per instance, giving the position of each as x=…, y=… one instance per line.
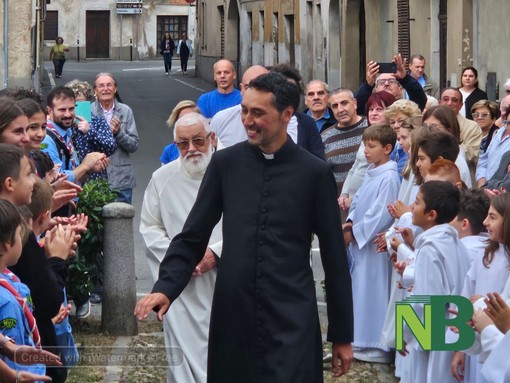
x=273, y=195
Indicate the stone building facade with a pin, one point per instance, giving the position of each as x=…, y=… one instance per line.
x=332, y=40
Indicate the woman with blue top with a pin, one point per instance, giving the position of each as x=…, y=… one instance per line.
x=171, y=152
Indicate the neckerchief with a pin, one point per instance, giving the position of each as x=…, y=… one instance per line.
x=34, y=331
x=68, y=145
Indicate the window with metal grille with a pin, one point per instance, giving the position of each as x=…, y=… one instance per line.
x=176, y=25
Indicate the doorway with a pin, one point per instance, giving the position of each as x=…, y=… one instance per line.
x=98, y=34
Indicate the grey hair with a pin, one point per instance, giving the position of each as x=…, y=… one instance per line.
x=81, y=88
x=342, y=90
x=507, y=83
x=193, y=119
x=324, y=85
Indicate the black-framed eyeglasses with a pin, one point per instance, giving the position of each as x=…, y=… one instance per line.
x=198, y=142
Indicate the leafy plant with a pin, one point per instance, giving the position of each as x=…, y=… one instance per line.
x=86, y=271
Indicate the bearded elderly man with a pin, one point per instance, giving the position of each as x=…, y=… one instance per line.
x=272, y=195
x=167, y=202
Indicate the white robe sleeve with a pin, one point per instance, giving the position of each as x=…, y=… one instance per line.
x=496, y=368
x=153, y=230
x=377, y=218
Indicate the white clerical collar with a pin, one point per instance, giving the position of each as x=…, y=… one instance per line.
x=268, y=156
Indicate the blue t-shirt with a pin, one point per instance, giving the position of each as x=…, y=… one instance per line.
x=212, y=102
x=170, y=153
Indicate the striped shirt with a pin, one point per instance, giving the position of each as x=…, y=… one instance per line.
x=341, y=145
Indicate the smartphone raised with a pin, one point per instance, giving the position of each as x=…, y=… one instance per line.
x=83, y=110
x=390, y=67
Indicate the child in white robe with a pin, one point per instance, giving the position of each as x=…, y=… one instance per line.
x=489, y=273
x=489, y=267
x=441, y=266
x=367, y=217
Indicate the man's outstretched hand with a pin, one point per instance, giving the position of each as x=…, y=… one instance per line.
x=150, y=302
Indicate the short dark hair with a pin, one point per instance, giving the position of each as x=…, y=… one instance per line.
x=382, y=133
x=42, y=196
x=10, y=162
x=59, y=93
x=42, y=162
x=285, y=93
x=291, y=73
x=20, y=93
x=474, y=206
x=436, y=143
x=443, y=198
x=30, y=107
x=454, y=89
x=10, y=219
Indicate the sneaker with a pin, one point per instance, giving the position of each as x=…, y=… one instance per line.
x=373, y=355
x=83, y=311
x=186, y=73
x=166, y=73
x=95, y=298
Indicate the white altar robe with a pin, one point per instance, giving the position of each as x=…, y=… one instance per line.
x=168, y=199
x=441, y=266
x=371, y=270
x=481, y=280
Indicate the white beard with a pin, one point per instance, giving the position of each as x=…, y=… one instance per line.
x=196, y=164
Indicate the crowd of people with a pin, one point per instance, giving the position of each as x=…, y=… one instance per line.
x=46, y=155
x=406, y=194
x=420, y=175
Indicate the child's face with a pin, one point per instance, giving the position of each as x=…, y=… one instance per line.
x=404, y=139
x=494, y=225
x=16, y=132
x=24, y=185
x=36, y=131
x=375, y=153
x=423, y=163
x=13, y=250
x=419, y=212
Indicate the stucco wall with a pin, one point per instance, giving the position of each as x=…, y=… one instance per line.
x=72, y=26
x=491, y=41
x=19, y=50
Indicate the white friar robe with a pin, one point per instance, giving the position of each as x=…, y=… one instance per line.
x=371, y=270
x=167, y=202
x=441, y=266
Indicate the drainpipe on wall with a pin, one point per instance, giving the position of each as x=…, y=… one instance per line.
x=6, y=42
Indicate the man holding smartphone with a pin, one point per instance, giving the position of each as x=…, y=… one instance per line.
x=394, y=83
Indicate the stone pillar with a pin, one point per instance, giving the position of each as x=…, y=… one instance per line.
x=119, y=289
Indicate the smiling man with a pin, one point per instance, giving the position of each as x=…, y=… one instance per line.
x=225, y=95
x=123, y=126
x=272, y=195
x=341, y=141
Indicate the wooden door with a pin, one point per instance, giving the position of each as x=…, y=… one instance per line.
x=98, y=34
